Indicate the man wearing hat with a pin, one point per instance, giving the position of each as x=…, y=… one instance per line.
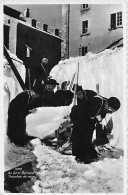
x=83, y=95
x=51, y=84
x=63, y=96
x=43, y=72
x=49, y=95
x=22, y=105
x=64, y=85
x=86, y=116
x=44, y=65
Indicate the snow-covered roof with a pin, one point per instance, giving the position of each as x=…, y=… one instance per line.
x=118, y=43
x=90, y=56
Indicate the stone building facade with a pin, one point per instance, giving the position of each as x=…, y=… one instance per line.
x=31, y=40
x=91, y=27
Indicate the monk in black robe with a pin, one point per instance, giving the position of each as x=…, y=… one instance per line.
x=19, y=108
x=63, y=97
x=84, y=119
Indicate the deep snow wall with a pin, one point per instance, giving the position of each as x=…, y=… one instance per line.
x=104, y=69
x=11, y=86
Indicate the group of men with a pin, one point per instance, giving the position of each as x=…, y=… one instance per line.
x=41, y=95
x=86, y=116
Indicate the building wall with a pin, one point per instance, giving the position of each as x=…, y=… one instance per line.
x=17, y=34
x=43, y=41
x=100, y=36
x=41, y=44
x=6, y=36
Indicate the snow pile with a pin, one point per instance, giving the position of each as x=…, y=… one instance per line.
x=62, y=174
x=11, y=86
x=14, y=155
x=45, y=121
x=104, y=69
x=8, y=74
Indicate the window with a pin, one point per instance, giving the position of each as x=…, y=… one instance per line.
x=116, y=20
x=119, y=18
x=84, y=6
x=83, y=51
x=84, y=27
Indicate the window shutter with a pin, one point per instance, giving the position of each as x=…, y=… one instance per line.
x=80, y=52
x=119, y=18
x=113, y=21
x=83, y=27
x=84, y=51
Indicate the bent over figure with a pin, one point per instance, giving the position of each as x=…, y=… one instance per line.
x=84, y=117
x=19, y=108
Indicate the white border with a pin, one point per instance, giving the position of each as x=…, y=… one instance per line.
x=125, y=72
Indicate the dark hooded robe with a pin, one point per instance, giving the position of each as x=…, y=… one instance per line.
x=18, y=110
x=63, y=97
x=83, y=117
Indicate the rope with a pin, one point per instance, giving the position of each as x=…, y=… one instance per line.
x=100, y=106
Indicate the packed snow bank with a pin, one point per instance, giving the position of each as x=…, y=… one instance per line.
x=45, y=121
x=62, y=174
x=11, y=86
x=8, y=73
x=104, y=69
x=15, y=155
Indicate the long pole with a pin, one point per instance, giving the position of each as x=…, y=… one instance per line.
x=68, y=18
x=72, y=81
x=75, y=96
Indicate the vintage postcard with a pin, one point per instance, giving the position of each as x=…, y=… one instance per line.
x=64, y=97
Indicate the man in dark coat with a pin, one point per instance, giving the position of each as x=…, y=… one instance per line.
x=19, y=108
x=63, y=97
x=83, y=95
x=49, y=94
x=64, y=85
x=84, y=117
x=43, y=73
x=58, y=98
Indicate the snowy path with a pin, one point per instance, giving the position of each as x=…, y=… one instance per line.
x=62, y=174
x=15, y=155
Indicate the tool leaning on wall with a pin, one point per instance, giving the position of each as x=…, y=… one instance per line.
x=61, y=148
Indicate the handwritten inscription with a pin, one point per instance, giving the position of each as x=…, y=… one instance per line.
x=20, y=173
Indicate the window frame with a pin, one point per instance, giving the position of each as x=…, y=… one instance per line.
x=84, y=27
x=120, y=19
x=116, y=21
x=83, y=49
x=85, y=8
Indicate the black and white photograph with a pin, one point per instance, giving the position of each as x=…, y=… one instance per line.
x=64, y=97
